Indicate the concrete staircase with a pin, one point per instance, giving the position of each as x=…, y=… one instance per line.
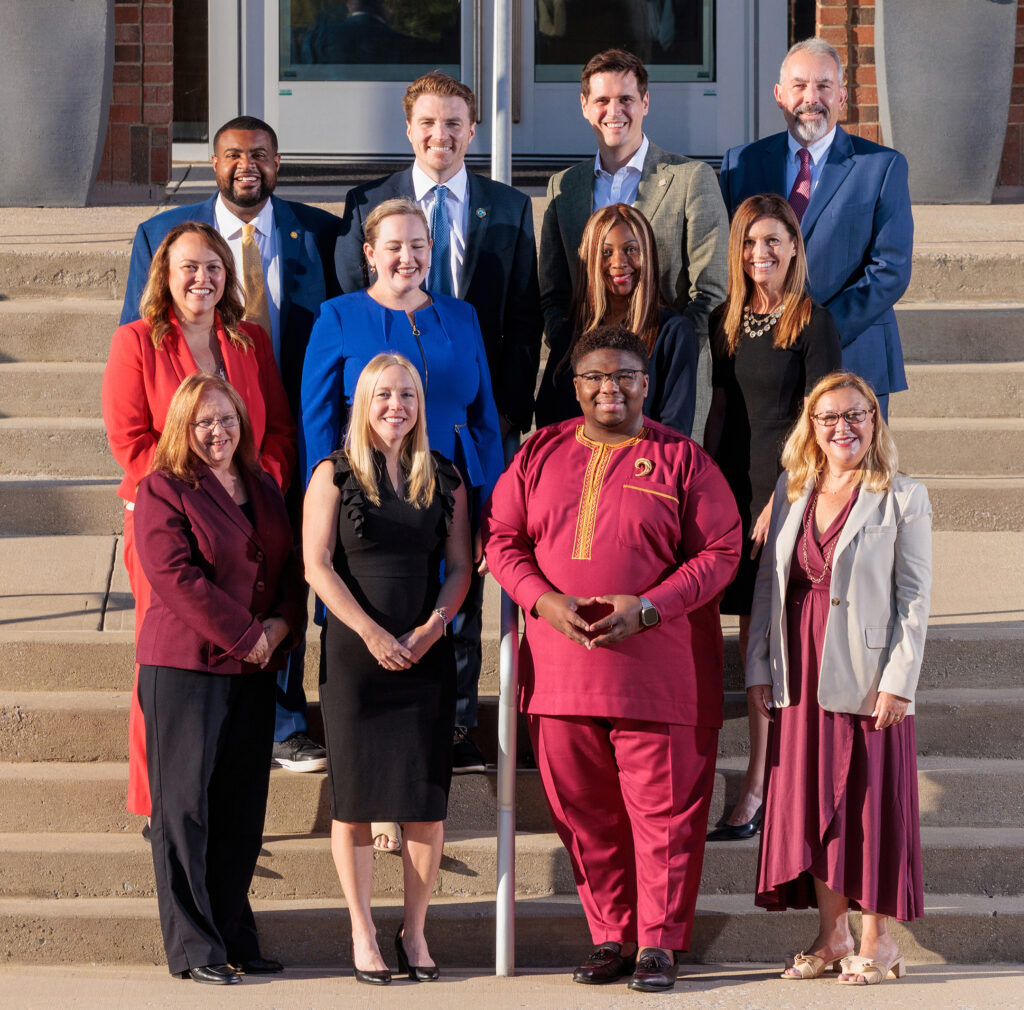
x=76, y=882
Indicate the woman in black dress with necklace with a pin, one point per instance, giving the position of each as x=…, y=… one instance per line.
x=380, y=516
x=770, y=344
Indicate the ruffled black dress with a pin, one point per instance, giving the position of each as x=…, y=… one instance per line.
x=388, y=733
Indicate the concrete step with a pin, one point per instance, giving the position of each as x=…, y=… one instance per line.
x=550, y=931
x=951, y=332
x=960, y=446
x=971, y=860
x=55, y=447
x=50, y=389
x=965, y=271
x=79, y=797
x=963, y=390
x=85, y=270
x=93, y=726
x=60, y=506
x=77, y=446
x=90, y=505
x=55, y=328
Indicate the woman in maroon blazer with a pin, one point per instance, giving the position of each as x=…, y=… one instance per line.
x=191, y=321
x=227, y=599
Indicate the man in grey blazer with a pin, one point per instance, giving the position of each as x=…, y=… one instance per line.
x=679, y=197
x=485, y=253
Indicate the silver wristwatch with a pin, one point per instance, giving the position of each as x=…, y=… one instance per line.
x=649, y=615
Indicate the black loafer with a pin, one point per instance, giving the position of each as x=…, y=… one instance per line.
x=737, y=832
x=605, y=963
x=654, y=971
x=212, y=974
x=259, y=966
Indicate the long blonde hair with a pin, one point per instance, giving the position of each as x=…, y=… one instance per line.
x=157, y=305
x=797, y=313
x=590, y=295
x=803, y=458
x=174, y=452
x=417, y=462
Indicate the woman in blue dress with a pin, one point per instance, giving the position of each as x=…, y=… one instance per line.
x=438, y=334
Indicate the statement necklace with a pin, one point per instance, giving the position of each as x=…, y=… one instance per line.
x=756, y=324
x=825, y=554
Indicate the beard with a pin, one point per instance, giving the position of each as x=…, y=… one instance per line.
x=247, y=198
x=807, y=132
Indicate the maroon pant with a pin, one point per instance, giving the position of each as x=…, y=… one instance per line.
x=630, y=801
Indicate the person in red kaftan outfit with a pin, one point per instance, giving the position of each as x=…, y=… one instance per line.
x=617, y=536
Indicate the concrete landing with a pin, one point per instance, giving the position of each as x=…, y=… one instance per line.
x=711, y=986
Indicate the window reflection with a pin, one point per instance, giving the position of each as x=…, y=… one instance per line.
x=674, y=38
x=368, y=40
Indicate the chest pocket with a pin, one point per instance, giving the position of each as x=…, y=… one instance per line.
x=648, y=515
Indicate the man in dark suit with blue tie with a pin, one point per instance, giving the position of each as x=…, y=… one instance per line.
x=485, y=253
x=853, y=201
x=295, y=244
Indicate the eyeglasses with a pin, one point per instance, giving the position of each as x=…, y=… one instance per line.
x=830, y=418
x=624, y=378
x=227, y=422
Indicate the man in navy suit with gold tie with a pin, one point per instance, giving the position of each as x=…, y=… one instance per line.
x=853, y=201
x=485, y=253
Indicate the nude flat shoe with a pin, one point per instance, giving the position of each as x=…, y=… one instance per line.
x=391, y=834
x=810, y=966
x=874, y=972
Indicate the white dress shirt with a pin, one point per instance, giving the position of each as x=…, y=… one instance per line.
x=819, y=152
x=622, y=186
x=457, y=202
x=230, y=228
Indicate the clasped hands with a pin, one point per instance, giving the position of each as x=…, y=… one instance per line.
x=275, y=631
x=401, y=653
x=562, y=613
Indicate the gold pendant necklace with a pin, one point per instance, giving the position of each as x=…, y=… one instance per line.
x=756, y=324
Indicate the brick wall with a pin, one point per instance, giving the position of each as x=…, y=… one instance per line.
x=850, y=26
x=138, y=145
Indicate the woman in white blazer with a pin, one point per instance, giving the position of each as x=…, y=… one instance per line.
x=837, y=634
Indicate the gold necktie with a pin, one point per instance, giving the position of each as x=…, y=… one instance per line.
x=252, y=271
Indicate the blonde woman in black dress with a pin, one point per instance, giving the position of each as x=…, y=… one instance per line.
x=380, y=517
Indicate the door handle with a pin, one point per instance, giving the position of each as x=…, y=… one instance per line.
x=517, y=60
x=478, y=57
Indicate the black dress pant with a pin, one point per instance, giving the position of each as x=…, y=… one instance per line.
x=208, y=742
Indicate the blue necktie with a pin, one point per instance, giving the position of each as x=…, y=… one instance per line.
x=440, y=277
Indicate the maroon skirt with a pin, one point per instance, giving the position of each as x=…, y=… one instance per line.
x=840, y=799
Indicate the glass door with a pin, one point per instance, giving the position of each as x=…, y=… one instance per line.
x=334, y=71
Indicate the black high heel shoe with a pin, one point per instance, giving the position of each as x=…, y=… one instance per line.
x=737, y=832
x=418, y=973
x=381, y=977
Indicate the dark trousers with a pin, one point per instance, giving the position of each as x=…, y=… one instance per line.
x=290, y=716
x=208, y=741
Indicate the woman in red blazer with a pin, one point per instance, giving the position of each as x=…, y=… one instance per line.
x=227, y=595
x=191, y=321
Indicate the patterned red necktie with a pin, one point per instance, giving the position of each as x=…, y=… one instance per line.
x=800, y=194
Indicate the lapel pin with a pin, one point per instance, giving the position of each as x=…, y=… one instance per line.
x=295, y=234
x=661, y=182
x=480, y=212
x=642, y=466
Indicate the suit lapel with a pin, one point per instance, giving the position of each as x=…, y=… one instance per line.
x=290, y=238
x=655, y=182
x=215, y=491
x=479, y=212
x=577, y=206
x=836, y=168
x=787, y=537
x=773, y=166
x=863, y=509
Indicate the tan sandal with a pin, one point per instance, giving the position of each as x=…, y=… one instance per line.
x=387, y=836
x=809, y=966
x=873, y=972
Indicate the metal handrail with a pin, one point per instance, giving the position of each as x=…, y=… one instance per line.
x=508, y=713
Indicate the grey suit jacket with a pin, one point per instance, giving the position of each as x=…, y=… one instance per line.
x=683, y=203
x=880, y=591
